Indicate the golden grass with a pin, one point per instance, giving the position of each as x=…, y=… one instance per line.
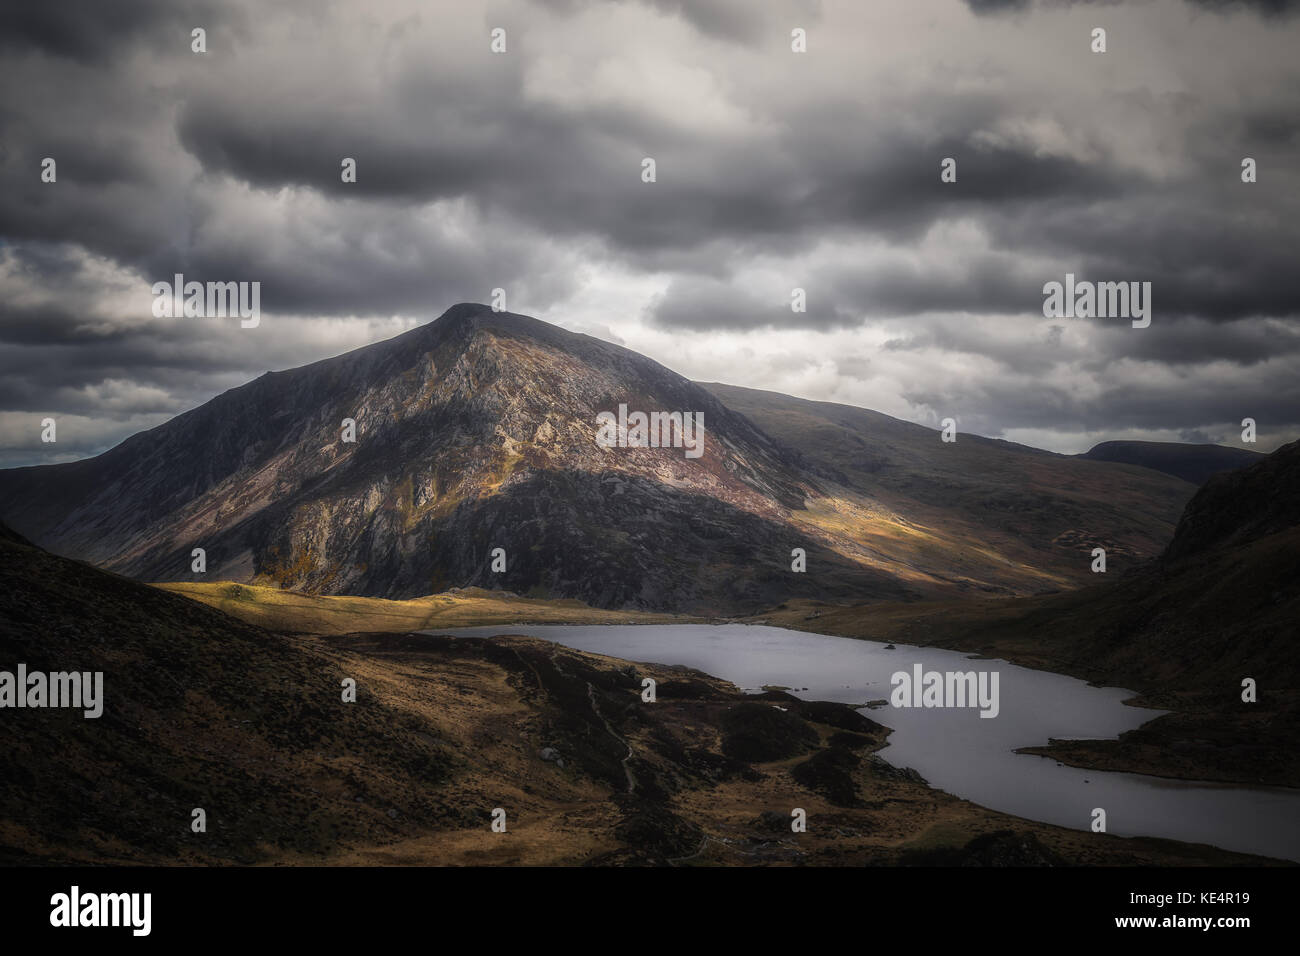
x=282, y=610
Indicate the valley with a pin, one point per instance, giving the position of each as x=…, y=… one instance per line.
x=203, y=710
x=455, y=477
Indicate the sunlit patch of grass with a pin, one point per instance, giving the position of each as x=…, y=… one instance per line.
x=285, y=610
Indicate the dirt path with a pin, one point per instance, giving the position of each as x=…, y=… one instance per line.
x=609, y=728
x=631, y=779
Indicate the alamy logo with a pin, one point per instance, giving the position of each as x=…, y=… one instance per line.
x=59, y=689
x=654, y=430
x=1098, y=300
x=74, y=908
x=210, y=300
x=947, y=689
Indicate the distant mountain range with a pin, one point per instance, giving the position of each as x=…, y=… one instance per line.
x=479, y=431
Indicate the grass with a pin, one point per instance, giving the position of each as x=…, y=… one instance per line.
x=283, y=610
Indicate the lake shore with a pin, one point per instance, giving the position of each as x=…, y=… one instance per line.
x=1201, y=740
x=1206, y=736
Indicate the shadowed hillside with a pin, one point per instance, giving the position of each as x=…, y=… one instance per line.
x=203, y=711
x=1194, y=463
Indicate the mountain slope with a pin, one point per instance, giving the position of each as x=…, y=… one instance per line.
x=1194, y=463
x=478, y=431
x=983, y=505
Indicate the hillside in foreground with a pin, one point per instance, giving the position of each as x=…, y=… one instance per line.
x=204, y=711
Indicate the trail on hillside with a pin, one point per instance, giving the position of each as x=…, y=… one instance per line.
x=609, y=728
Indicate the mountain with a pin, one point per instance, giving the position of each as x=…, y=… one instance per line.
x=1240, y=508
x=1194, y=463
x=479, y=431
x=474, y=432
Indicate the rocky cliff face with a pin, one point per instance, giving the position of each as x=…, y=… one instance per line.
x=474, y=432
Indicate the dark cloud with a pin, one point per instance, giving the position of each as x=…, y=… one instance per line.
x=982, y=7
x=530, y=168
x=1139, y=405
x=94, y=32
x=1266, y=8
x=775, y=170
x=738, y=21
x=691, y=301
x=1191, y=343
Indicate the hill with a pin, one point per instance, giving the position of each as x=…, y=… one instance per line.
x=978, y=509
x=1190, y=462
x=203, y=711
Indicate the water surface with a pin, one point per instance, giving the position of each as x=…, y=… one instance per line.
x=955, y=749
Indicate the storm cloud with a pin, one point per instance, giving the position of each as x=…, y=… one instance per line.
x=775, y=170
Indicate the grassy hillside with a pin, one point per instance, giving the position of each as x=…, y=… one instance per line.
x=206, y=711
x=323, y=614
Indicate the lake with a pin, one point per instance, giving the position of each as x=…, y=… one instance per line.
x=954, y=748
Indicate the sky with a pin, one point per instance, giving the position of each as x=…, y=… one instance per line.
x=774, y=169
